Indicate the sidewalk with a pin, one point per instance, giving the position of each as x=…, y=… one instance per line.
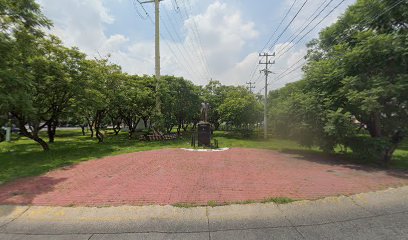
x=377, y=215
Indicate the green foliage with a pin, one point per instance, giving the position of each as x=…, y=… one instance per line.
x=180, y=102
x=215, y=94
x=367, y=148
x=240, y=108
x=355, y=82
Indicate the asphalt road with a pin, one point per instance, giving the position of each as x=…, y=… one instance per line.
x=379, y=215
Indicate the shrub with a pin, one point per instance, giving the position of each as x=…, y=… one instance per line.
x=368, y=148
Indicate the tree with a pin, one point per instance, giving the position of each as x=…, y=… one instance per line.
x=57, y=79
x=136, y=101
x=240, y=108
x=21, y=29
x=100, y=81
x=373, y=69
x=181, y=102
x=356, y=80
x=215, y=94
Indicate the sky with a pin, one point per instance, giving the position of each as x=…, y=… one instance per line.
x=200, y=39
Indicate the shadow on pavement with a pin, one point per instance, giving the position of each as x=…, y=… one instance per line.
x=336, y=160
x=25, y=191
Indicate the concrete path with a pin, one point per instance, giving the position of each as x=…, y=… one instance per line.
x=377, y=215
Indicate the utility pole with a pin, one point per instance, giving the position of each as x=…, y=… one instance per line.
x=251, y=86
x=266, y=72
x=157, y=47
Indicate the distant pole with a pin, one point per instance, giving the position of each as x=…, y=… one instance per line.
x=266, y=72
x=251, y=86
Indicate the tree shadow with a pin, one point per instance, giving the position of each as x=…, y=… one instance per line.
x=25, y=191
x=344, y=161
x=27, y=159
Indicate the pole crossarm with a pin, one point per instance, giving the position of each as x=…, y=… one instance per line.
x=151, y=1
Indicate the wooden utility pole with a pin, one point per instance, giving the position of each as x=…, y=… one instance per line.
x=266, y=72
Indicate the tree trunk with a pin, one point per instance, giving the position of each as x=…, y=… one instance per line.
x=31, y=135
x=98, y=123
x=83, y=130
x=388, y=155
x=91, y=130
x=2, y=136
x=185, y=126
x=117, y=129
x=216, y=126
x=145, y=122
x=178, y=129
x=49, y=132
x=99, y=135
x=51, y=129
x=374, y=125
x=116, y=125
x=43, y=144
x=396, y=140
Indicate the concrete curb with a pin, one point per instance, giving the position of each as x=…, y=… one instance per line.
x=372, y=201
x=295, y=220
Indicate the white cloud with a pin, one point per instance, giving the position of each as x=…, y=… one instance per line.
x=222, y=30
x=80, y=23
x=224, y=34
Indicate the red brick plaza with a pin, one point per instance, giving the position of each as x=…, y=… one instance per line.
x=173, y=176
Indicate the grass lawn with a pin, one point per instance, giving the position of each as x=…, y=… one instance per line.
x=24, y=157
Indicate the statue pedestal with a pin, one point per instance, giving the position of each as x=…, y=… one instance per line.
x=204, y=134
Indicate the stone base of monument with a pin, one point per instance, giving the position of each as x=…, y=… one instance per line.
x=204, y=134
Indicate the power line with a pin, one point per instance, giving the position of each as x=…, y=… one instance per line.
x=287, y=26
x=137, y=10
x=193, y=48
x=283, y=19
x=167, y=44
x=312, y=28
x=175, y=6
x=342, y=37
x=304, y=27
x=282, y=75
x=197, y=37
x=181, y=53
x=271, y=37
x=188, y=52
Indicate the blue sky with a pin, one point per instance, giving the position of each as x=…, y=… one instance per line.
x=201, y=39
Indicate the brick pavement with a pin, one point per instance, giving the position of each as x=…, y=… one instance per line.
x=176, y=176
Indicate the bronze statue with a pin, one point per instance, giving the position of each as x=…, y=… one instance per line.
x=205, y=107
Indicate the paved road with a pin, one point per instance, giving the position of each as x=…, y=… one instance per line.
x=379, y=215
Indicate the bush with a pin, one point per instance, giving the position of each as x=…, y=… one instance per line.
x=368, y=148
x=246, y=133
